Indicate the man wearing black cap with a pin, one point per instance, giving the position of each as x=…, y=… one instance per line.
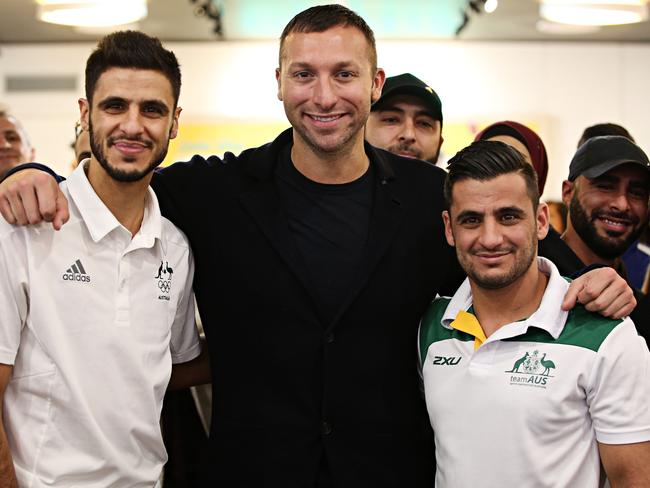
x=407, y=119
x=607, y=197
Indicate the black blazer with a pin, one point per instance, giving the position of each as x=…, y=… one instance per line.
x=288, y=389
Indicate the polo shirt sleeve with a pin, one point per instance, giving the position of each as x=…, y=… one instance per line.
x=185, y=344
x=619, y=393
x=13, y=291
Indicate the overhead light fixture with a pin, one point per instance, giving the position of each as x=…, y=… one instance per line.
x=91, y=13
x=594, y=12
x=490, y=6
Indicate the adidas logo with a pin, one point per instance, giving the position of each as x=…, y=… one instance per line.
x=76, y=272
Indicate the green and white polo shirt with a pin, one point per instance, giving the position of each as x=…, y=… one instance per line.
x=527, y=406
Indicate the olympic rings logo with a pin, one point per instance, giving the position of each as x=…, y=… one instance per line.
x=164, y=285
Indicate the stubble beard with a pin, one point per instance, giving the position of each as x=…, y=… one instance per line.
x=121, y=175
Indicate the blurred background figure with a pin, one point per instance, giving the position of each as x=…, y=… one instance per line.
x=81, y=145
x=605, y=129
x=15, y=147
x=407, y=119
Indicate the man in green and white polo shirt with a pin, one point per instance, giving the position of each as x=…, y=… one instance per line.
x=520, y=392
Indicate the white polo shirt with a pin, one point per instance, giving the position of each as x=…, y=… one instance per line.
x=92, y=320
x=528, y=406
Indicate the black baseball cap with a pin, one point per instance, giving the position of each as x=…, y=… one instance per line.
x=601, y=154
x=407, y=84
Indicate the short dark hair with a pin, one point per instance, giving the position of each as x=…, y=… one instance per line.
x=132, y=49
x=485, y=160
x=606, y=129
x=324, y=17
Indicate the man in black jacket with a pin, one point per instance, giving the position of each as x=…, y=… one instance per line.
x=316, y=255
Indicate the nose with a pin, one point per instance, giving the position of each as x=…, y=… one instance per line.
x=325, y=93
x=407, y=131
x=490, y=236
x=620, y=201
x=131, y=124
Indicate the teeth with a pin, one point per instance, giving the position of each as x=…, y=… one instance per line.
x=325, y=119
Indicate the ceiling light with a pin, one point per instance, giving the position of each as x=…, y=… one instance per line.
x=490, y=6
x=594, y=12
x=91, y=13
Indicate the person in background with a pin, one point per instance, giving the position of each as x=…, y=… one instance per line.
x=605, y=129
x=407, y=119
x=81, y=145
x=15, y=147
x=607, y=193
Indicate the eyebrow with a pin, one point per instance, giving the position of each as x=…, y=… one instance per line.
x=351, y=65
x=500, y=211
x=154, y=101
x=392, y=108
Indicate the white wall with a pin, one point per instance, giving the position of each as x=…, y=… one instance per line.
x=564, y=86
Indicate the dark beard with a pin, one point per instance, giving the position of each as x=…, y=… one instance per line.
x=119, y=174
x=606, y=248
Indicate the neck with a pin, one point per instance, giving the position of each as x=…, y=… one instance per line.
x=581, y=249
x=125, y=200
x=496, y=308
x=343, y=166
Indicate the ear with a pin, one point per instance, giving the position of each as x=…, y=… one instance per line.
x=278, y=77
x=568, y=190
x=446, y=218
x=84, y=113
x=377, y=84
x=174, y=130
x=543, y=220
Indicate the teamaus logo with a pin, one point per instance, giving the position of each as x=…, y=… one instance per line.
x=164, y=280
x=76, y=273
x=531, y=370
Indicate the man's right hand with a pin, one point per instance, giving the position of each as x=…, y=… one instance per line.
x=31, y=196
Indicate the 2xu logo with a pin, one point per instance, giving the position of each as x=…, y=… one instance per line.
x=449, y=361
x=76, y=277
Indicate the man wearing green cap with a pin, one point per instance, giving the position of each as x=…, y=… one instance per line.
x=407, y=119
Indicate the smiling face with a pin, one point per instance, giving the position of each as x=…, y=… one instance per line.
x=607, y=213
x=495, y=228
x=327, y=84
x=404, y=126
x=131, y=121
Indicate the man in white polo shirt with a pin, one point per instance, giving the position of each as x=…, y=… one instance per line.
x=93, y=316
x=520, y=392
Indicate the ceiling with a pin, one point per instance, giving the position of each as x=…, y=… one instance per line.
x=177, y=20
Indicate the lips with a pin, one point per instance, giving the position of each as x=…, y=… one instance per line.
x=328, y=120
x=130, y=147
x=614, y=225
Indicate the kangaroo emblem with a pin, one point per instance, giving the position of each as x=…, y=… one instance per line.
x=518, y=362
x=160, y=270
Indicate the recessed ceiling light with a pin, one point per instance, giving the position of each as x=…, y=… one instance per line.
x=594, y=12
x=91, y=13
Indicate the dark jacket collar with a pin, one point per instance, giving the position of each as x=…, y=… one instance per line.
x=260, y=162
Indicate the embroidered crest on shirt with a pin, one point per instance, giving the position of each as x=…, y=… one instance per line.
x=76, y=273
x=531, y=369
x=164, y=280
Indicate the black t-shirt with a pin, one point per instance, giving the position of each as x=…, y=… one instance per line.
x=329, y=223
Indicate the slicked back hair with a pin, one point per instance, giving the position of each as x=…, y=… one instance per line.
x=484, y=161
x=136, y=50
x=325, y=17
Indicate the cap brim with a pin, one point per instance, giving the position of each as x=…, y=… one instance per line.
x=603, y=168
x=419, y=92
